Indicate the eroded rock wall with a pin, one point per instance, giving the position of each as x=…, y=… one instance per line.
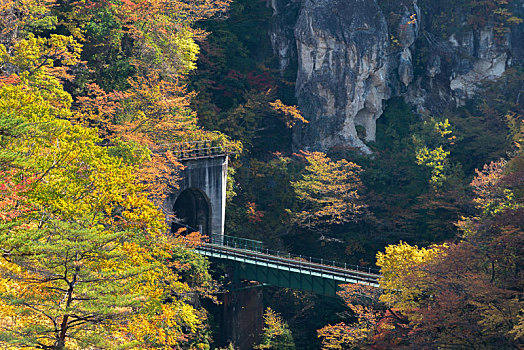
x=352, y=58
x=342, y=67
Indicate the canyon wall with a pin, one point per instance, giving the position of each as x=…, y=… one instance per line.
x=353, y=55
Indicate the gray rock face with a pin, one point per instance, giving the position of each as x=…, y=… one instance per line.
x=341, y=81
x=282, y=30
x=407, y=36
x=488, y=62
x=350, y=62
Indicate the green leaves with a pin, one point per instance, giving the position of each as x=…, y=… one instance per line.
x=84, y=259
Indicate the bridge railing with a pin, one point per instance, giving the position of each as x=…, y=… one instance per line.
x=258, y=246
x=236, y=242
x=198, y=149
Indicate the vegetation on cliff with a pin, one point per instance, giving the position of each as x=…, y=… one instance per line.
x=92, y=91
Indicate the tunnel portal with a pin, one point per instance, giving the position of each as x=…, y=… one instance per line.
x=191, y=211
x=199, y=203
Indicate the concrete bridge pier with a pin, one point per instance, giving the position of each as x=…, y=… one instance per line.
x=243, y=318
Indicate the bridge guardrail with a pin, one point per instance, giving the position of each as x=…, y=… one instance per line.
x=258, y=246
x=236, y=242
x=198, y=149
x=325, y=271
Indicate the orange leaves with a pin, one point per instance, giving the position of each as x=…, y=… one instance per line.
x=101, y=105
x=152, y=112
x=486, y=181
x=9, y=80
x=12, y=200
x=96, y=243
x=159, y=173
x=254, y=215
x=190, y=240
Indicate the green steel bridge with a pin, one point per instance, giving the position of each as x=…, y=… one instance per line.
x=200, y=197
x=251, y=261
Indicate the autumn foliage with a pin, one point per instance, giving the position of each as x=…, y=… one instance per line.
x=329, y=191
x=456, y=295
x=85, y=259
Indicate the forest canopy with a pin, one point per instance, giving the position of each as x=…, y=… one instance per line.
x=93, y=93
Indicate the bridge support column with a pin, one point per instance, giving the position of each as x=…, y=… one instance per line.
x=242, y=322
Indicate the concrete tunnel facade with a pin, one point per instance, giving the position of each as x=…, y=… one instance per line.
x=200, y=202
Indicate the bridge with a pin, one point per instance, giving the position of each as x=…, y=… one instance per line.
x=199, y=205
x=252, y=261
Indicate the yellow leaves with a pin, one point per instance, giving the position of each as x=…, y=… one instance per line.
x=496, y=316
x=92, y=221
x=291, y=113
x=402, y=268
x=273, y=322
x=443, y=128
x=436, y=160
x=12, y=316
x=187, y=50
x=151, y=282
x=432, y=149
x=276, y=333
x=143, y=214
x=50, y=56
x=512, y=20
x=336, y=337
x=165, y=327
x=330, y=190
x=518, y=329
x=162, y=34
x=38, y=64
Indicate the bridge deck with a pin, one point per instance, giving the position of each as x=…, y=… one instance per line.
x=291, y=266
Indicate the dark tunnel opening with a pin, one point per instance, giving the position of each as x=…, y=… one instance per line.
x=191, y=211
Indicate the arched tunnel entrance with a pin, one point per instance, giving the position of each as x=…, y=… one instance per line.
x=191, y=210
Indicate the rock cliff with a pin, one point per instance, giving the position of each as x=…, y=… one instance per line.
x=352, y=55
